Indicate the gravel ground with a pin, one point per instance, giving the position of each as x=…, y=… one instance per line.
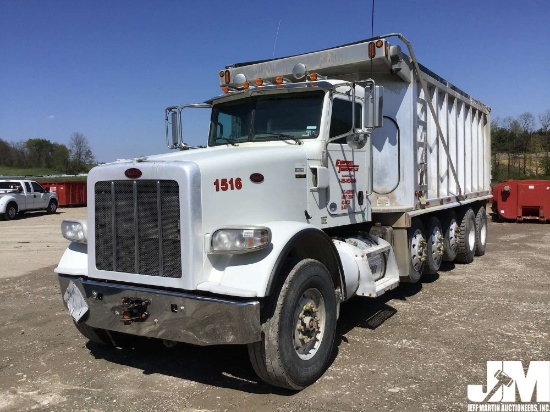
x=416, y=348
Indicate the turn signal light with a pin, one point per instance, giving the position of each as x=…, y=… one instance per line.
x=313, y=77
x=222, y=73
x=227, y=77
x=379, y=43
x=387, y=49
x=225, y=89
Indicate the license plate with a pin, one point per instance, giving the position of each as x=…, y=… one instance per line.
x=75, y=302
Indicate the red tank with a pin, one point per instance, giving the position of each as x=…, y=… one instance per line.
x=522, y=200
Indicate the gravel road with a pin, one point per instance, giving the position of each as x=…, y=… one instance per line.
x=414, y=349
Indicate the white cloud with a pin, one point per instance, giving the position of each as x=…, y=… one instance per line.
x=51, y=116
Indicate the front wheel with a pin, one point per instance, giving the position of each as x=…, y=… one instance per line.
x=96, y=335
x=298, y=335
x=52, y=207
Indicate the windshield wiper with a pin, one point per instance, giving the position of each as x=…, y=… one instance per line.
x=281, y=136
x=230, y=141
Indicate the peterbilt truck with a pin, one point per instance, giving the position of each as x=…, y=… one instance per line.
x=327, y=175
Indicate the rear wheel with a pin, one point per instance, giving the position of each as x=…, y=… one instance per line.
x=298, y=334
x=481, y=231
x=450, y=236
x=467, y=238
x=10, y=212
x=417, y=250
x=434, y=245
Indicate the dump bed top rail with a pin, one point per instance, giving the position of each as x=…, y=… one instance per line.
x=352, y=61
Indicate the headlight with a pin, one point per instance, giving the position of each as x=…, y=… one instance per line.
x=75, y=230
x=240, y=240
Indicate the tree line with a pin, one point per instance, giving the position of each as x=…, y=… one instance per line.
x=519, y=149
x=42, y=153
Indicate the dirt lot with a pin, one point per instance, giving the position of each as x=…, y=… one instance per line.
x=414, y=349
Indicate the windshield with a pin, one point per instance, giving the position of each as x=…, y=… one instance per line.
x=268, y=117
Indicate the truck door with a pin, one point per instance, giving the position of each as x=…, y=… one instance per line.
x=40, y=197
x=348, y=168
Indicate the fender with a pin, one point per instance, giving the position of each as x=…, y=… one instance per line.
x=4, y=200
x=74, y=260
x=253, y=274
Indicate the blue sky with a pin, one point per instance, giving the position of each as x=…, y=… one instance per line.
x=108, y=69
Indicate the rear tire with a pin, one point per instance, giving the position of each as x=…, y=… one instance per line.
x=450, y=236
x=417, y=250
x=11, y=212
x=298, y=335
x=467, y=238
x=434, y=245
x=481, y=231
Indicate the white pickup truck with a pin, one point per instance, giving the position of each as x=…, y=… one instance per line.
x=20, y=196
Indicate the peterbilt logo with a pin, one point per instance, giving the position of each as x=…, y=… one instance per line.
x=133, y=173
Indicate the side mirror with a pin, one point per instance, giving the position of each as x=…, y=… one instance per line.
x=46, y=190
x=20, y=189
x=374, y=107
x=175, y=128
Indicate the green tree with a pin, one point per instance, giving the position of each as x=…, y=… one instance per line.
x=80, y=153
x=40, y=152
x=61, y=158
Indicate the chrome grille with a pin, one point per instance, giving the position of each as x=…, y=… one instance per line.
x=137, y=227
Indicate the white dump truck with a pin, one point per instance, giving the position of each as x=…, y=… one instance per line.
x=21, y=196
x=327, y=175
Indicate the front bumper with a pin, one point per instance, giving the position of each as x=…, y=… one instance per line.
x=172, y=316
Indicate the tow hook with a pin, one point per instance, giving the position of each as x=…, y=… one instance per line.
x=133, y=310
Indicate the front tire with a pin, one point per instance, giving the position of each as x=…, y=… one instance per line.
x=96, y=335
x=52, y=207
x=298, y=335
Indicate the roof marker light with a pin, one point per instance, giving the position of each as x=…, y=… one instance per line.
x=372, y=50
x=259, y=81
x=279, y=80
x=222, y=73
x=313, y=77
x=246, y=85
x=225, y=89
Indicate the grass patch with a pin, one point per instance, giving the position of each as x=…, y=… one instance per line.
x=40, y=174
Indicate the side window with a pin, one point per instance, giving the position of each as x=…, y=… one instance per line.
x=28, y=187
x=340, y=121
x=37, y=188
